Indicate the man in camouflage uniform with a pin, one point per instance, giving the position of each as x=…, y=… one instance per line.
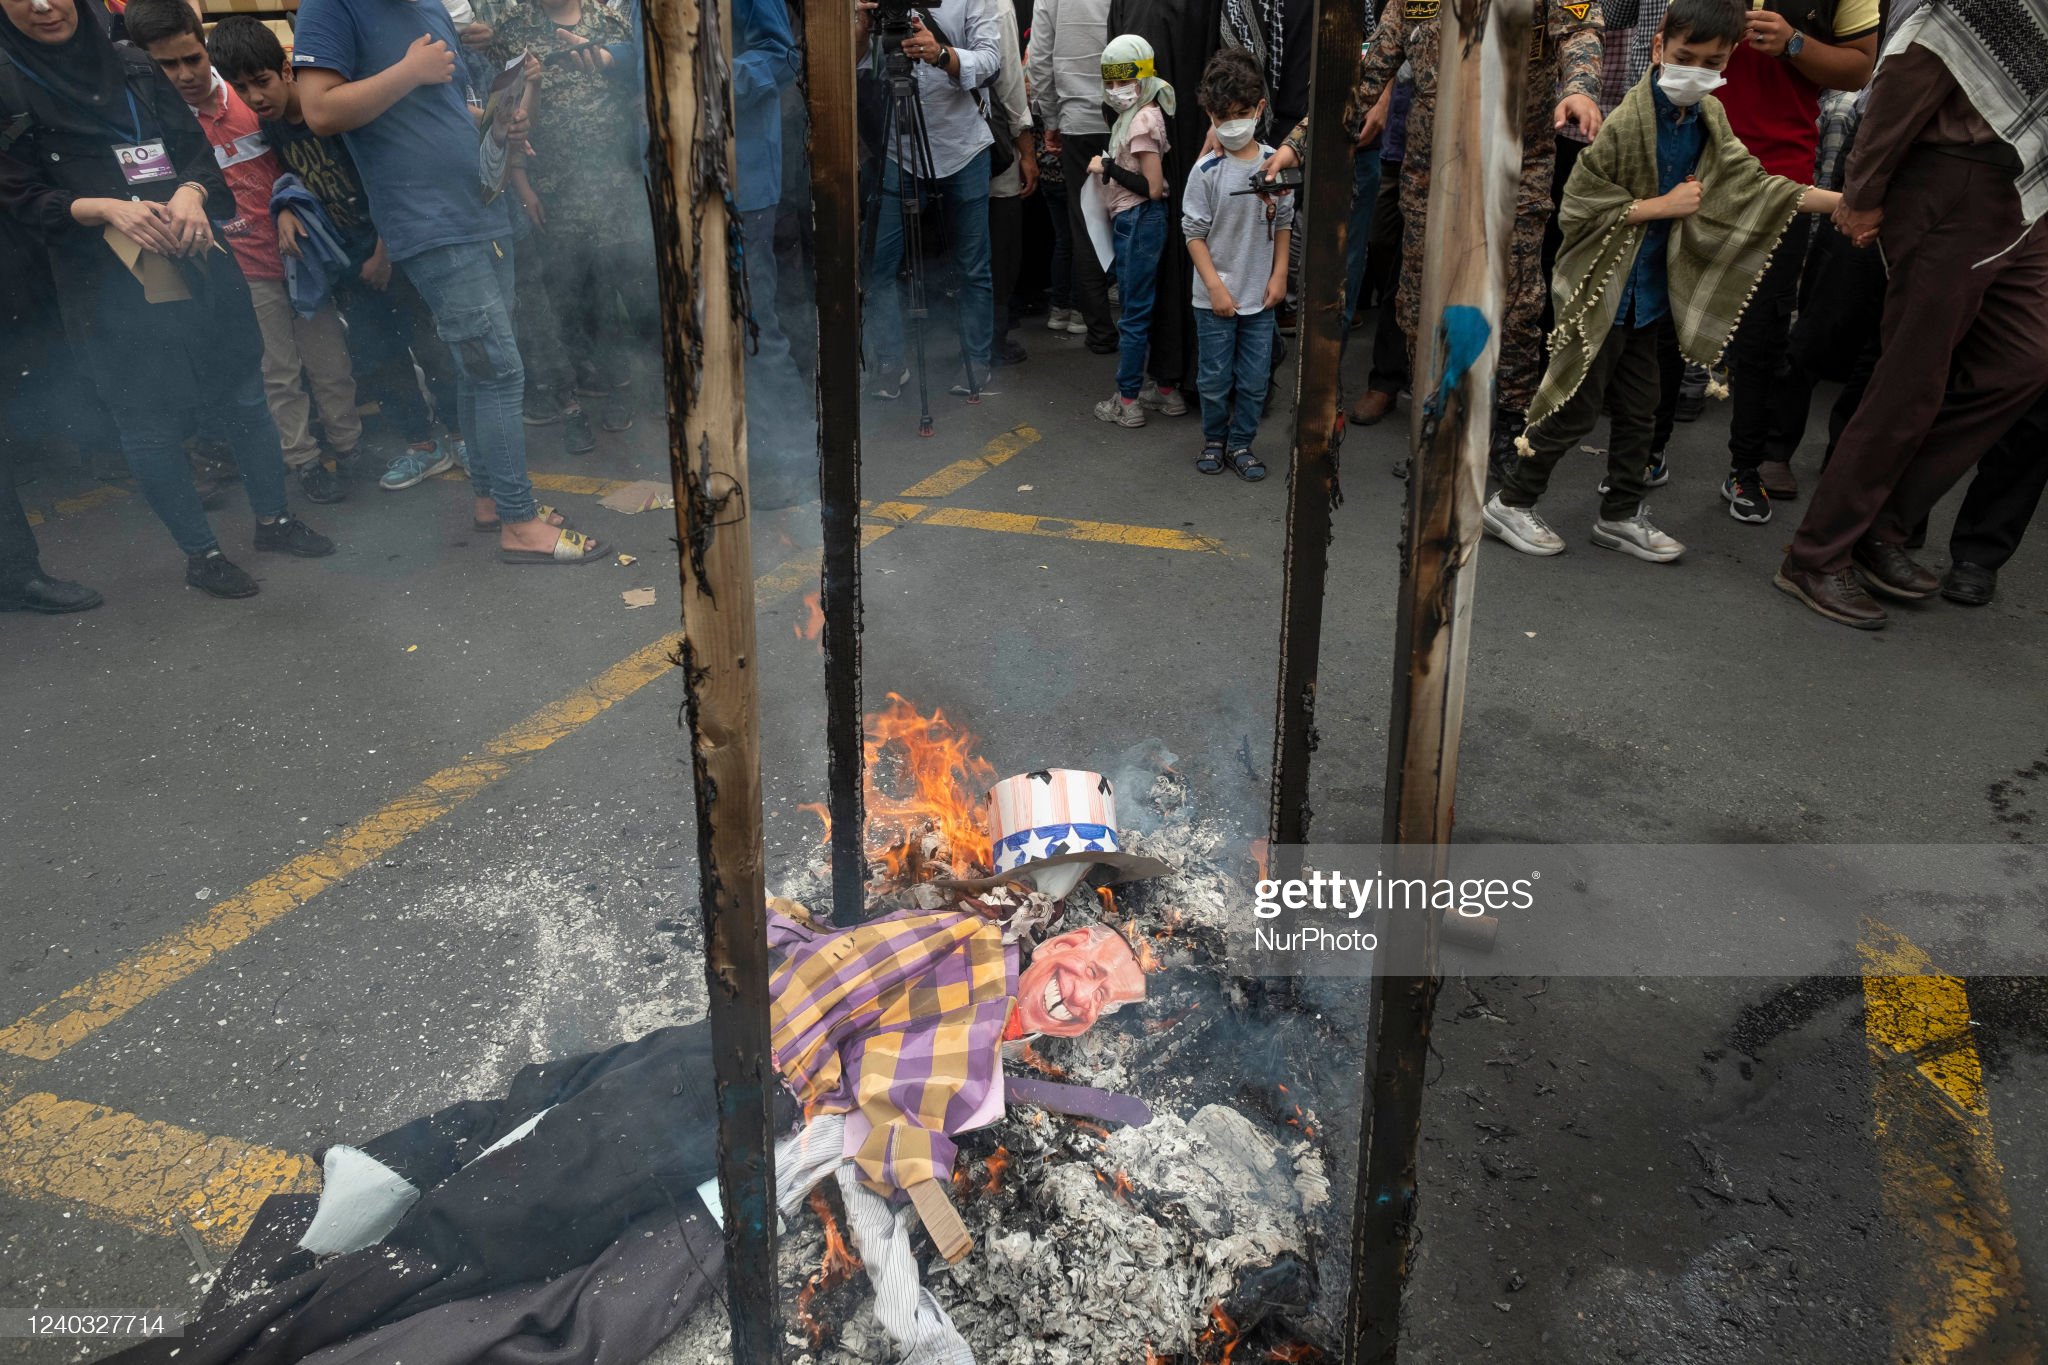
x=1564, y=87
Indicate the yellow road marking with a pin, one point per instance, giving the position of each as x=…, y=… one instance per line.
x=1942, y=1183
x=142, y=1173
x=893, y=512
x=84, y=502
x=1067, y=528
x=582, y=484
x=960, y=473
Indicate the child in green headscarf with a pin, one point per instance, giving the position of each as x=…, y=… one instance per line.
x=1134, y=193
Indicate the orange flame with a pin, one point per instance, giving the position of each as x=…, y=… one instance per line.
x=1108, y=901
x=818, y=809
x=1262, y=857
x=996, y=1165
x=1220, y=1332
x=1120, y=1187
x=1153, y=1357
x=934, y=780
x=813, y=625
x=1038, y=1062
x=835, y=1268
x=1097, y=1129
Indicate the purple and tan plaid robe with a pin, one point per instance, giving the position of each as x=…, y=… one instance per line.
x=897, y=1023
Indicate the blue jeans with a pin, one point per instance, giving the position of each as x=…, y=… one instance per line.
x=1234, y=363
x=1365, y=194
x=469, y=286
x=1140, y=235
x=965, y=193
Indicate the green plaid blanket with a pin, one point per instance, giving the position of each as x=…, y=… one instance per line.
x=1716, y=256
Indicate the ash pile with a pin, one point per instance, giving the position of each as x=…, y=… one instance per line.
x=1192, y=1239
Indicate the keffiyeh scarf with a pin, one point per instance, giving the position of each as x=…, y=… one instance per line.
x=1997, y=50
x=1715, y=256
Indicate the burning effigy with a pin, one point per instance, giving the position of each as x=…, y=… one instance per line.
x=950, y=1191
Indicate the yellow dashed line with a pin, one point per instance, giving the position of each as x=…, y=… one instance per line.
x=960, y=473
x=84, y=502
x=1942, y=1182
x=141, y=1173
x=1065, y=528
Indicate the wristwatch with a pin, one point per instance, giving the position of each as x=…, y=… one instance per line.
x=940, y=59
x=1793, y=45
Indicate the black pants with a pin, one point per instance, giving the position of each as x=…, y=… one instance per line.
x=387, y=330
x=1006, y=255
x=1091, y=285
x=1568, y=150
x=1769, y=413
x=1389, y=374
x=18, y=560
x=601, y=302
x=1670, y=378
x=1624, y=381
x=2003, y=496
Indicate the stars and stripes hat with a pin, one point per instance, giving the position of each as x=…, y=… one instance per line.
x=1054, y=817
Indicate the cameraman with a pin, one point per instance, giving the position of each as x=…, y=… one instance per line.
x=959, y=54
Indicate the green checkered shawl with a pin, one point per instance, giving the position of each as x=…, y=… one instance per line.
x=1715, y=256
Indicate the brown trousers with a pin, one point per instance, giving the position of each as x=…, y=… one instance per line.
x=316, y=346
x=1965, y=353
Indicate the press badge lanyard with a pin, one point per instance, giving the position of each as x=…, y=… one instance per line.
x=134, y=130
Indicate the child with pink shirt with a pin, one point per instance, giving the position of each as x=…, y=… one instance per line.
x=1134, y=181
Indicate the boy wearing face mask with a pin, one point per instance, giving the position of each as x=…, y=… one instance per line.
x=1666, y=215
x=1134, y=181
x=1238, y=243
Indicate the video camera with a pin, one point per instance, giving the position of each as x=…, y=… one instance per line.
x=892, y=23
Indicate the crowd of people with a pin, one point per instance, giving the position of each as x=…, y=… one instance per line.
x=437, y=207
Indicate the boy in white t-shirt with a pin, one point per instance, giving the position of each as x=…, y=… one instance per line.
x=1238, y=243
x=1134, y=192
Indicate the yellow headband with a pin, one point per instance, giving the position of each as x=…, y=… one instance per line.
x=1129, y=71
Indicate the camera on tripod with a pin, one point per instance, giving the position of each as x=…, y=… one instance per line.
x=893, y=25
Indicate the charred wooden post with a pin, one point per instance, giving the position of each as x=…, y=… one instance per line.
x=703, y=294
x=1481, y=79
x=829, y=60
x=1312, y=491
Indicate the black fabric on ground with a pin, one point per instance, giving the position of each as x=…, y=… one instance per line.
x=631, y=1134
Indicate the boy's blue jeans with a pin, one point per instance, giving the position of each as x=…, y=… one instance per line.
x=469, y=287
x=1140, y=235
x=965, y=192
x=1234, y=362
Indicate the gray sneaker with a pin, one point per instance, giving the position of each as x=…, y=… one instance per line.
x=1125, y=412
x=1520, y=527
x=1165, y=402
x=1636, y=536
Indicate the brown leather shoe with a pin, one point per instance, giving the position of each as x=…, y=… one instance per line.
x=1371, y=406
x=1779, y=480
x=1890, y=570
x=1837, y=596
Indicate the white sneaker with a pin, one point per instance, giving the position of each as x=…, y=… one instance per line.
x=1056, y=319
x=1520, y=527
x=1636, y=536
x=1167, y=403
x=1120, y=410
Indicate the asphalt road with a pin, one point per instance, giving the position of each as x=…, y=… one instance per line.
x=1694, y=1168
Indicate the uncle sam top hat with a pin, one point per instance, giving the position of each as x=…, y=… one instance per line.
x=1053, y=819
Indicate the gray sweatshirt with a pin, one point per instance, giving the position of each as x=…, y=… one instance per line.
x=1241, y=241
x=1065, y=65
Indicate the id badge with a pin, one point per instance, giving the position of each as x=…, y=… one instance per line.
x=144, y=162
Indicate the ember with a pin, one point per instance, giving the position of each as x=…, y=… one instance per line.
x=1038, y=1062
x=813, y=625
x=997, y=1163
x=818, y=809
x=1262, y=857
x=1093, y=1128
x=835, y=1268
x=1119, y=1186
x=929, y=821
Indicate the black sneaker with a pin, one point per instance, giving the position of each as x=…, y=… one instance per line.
x=577, y=437
x=320, y=484
x=290, y=536
x=616, y=412
x=214, y=573
x=1747, y=500
x=590, y=380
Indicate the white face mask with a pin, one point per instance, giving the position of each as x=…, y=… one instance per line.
x=1686, y=86
x=1235, y=133
x=1122, y=96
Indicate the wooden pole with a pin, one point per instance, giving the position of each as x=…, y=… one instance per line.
x=1482, y=76
x=1312, y=491
x=703, y=288
x=829, y=58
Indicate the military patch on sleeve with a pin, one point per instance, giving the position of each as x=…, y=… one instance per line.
x=1419, y=11
x=1578, y=11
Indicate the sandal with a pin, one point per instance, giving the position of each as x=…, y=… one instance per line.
x=543, y=511
x=1211, y=461
x=571, y=547
x=1246, y=465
